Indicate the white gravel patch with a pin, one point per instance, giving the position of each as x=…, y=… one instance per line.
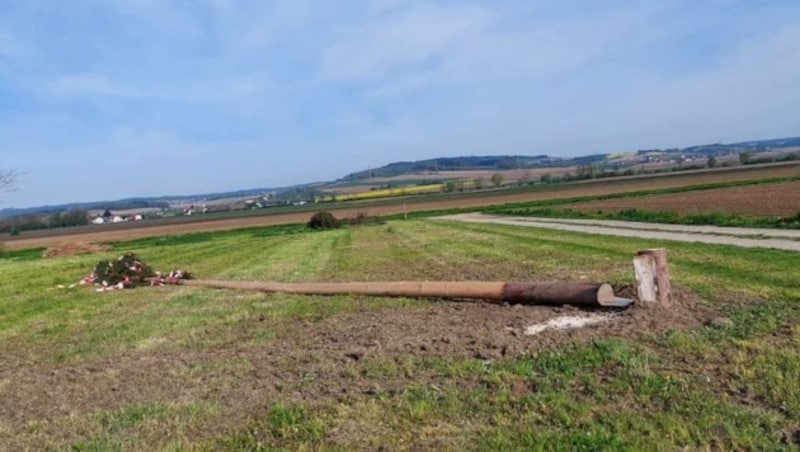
x=566, y=322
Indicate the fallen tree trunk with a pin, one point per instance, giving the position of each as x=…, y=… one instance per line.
x=578, y=294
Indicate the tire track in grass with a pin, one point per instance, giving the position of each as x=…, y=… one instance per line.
x=223, y=259
x=481, y=255
x=625, y=246
x=339, y=263
x=468, y=255
x=387, y=253
x=363, y=254
x=289, y=259
x=231, y=258
x=191, y=257
x=736, y=263
x=414, y=249
x=544, y=255
x=244, y=262
x=310, y=265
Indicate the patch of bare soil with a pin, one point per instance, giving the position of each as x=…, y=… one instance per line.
x=334, y=359
x=483, y=330
x=73, y=249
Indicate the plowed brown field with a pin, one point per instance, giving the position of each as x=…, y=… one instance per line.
x=128, y=231
x=769, y=200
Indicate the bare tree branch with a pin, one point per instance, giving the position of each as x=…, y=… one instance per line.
x=8, y=179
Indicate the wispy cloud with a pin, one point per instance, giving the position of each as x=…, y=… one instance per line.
x=504, y=48
x=402, y=41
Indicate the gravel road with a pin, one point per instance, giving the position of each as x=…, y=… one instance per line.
x=744, y=237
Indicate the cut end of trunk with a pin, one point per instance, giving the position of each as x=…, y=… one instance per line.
x=605, y=293
x=606, y=298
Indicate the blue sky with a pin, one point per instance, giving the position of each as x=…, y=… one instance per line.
x=104, y=99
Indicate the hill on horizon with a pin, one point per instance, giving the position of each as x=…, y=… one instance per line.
x=511, y=162
x=435, y=165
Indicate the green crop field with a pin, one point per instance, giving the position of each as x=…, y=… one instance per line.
x=182, y=368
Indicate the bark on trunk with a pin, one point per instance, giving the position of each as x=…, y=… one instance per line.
x=580, y=294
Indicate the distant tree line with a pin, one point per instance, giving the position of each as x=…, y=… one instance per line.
x=15, y=225
x=747, y=158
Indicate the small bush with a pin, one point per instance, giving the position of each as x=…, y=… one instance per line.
x=323, y=220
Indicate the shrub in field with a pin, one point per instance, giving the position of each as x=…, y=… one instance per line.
x=323, y=220
x=497, y=179
x=790, y=222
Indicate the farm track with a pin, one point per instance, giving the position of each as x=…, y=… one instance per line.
x=394, y=207
x=742, y=237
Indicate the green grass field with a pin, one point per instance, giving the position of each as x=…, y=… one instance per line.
x=183, y=368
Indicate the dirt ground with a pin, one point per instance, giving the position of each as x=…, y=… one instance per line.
x=333, y=359
x=487, y=331
x=772, y=200
x=590, y=188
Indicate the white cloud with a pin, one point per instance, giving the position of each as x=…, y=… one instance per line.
x=413, y=36
x=483, y=46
